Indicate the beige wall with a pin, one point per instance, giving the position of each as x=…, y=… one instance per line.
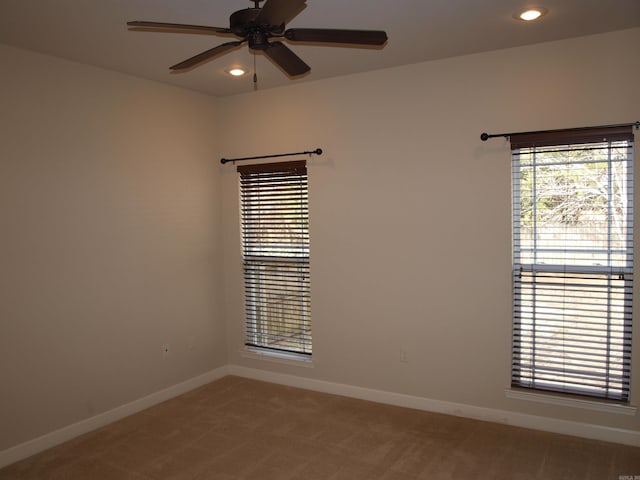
x=410, y=211
x=119, y=228
x=109, y=243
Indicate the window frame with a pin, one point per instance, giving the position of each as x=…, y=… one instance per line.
x=274, y=213
x=566, y=139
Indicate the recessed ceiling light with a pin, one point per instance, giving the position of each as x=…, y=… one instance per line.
x=530, y=14
x=236, y=72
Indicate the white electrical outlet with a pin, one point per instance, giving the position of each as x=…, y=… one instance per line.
x=165, y=349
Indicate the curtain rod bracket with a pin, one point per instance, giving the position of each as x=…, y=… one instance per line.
x=317, y=151
x=485, y=136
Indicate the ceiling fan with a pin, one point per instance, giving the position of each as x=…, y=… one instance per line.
x=256, y=26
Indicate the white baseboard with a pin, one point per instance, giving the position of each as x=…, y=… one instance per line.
x=565, y=427
x=586, y=430
x=31, y=447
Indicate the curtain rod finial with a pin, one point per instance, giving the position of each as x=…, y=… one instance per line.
x=484, y=137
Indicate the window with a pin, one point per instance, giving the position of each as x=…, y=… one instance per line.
x=275, y=246
x=573, y=261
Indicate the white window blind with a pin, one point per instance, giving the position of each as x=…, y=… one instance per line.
x=275, y=245
x=573, y=261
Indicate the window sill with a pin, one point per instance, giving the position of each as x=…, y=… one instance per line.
x=551, y=399
x=277, y=357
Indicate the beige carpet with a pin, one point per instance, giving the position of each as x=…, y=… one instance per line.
x=236, y=428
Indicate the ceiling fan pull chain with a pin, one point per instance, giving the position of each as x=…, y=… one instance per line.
x=255, y=74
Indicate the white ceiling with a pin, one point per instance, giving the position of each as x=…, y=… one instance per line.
x=95, y=32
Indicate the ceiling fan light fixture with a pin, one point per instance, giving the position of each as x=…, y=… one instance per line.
x=236, y=72
x=530, y=14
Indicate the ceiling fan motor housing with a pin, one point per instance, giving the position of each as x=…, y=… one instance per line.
x=243, y=24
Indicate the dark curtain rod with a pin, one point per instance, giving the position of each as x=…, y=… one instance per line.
x=317, y=151
x=485, y=136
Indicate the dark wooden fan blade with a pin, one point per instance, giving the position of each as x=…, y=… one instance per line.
x=204, y=56
x=327, y=35
x=276, y=12
x=288, y=61
x=177, y=27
